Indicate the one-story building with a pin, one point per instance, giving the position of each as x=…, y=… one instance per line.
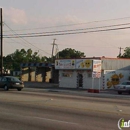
x=92, y=73
x=39, y=72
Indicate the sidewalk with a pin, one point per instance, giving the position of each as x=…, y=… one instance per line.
x=51, y=87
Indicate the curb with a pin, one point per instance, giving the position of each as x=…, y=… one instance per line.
x=81, y=93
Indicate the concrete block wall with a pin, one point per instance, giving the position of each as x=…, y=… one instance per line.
x=39, y=74
x=25, y=74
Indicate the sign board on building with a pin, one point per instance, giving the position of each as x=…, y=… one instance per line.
x=97, y=65
x=65, y=64
x=79, y=64
x=96, y=74
x=83, y=64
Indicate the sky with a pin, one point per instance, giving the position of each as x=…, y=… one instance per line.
x=61, y=17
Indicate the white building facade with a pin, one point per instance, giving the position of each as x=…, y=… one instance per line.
x=78, y=73
x=92, y=73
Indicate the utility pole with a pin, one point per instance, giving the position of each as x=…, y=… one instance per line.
x=53, y=44
x=57, y=52
x=52, y=60
x=120, y=51
x=1, y=49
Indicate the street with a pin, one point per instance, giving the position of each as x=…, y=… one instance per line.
x=38, y=110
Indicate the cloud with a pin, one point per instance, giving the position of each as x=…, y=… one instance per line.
x=16, y=16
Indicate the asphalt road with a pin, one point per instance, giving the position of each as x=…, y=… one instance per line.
x=38, y=110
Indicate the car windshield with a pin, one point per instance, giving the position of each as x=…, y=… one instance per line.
x=13, y=79
x=124, y=83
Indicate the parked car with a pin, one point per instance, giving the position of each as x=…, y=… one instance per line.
x=123, y=87
x=11, y=82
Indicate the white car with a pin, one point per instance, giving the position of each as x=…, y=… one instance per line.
x=123, y=87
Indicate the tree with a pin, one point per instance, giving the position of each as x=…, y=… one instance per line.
x=71, y=53
x=126, y=53
x=12, y=61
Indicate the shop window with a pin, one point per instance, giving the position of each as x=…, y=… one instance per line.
x=66, y=74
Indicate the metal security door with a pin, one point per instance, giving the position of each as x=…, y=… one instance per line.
x=79, y=80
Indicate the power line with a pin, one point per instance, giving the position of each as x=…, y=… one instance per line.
x=14, y=41
x=96, y=21
x=114, y=25
x=68, y=33
x=26, y=40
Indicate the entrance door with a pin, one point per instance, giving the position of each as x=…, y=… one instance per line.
x=79, y=80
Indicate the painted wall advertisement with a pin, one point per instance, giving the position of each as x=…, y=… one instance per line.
x=83, y=64
x=112, y=78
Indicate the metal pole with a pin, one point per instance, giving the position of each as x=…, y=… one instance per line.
x=1, y=43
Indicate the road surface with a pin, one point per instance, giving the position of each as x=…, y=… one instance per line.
x=38, y=110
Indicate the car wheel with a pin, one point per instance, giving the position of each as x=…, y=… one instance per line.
x=19, y=89
x=6, y=88
x=119, y=92
x=129, y=92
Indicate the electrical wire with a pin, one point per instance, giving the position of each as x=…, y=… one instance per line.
x=14, y=41
x=26, y=40
x=68, y=33
x=111, y=29
x=114, y=25
x=96, y=21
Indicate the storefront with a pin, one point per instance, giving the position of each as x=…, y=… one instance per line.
x=79, y=73
x=92, y=73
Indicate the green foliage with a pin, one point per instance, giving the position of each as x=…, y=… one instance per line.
x=12, y=61
x=71, y=53
x=126, y=53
